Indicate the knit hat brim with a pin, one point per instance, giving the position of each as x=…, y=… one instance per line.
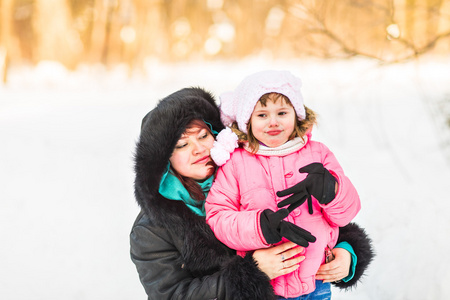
x=237, y=106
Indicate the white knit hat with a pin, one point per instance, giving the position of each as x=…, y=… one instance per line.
x=238, y=105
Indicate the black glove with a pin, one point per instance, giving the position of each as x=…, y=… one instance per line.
x=273, y=228
x=319, y=183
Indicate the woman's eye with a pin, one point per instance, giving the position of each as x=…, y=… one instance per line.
x=180, y=146
x=203, y=134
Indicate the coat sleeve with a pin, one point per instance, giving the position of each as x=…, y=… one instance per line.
x=362, y=246
x=163, y=275
x=346, y=204
x=236, y=228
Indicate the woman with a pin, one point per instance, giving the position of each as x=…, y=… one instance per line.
x=175, y=252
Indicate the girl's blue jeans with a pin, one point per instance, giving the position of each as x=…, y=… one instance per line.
x=322, y=292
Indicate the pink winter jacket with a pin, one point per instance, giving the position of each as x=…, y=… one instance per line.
x=247, y=184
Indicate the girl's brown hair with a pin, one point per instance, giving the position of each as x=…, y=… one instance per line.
x=300, y=128
x=194, y=189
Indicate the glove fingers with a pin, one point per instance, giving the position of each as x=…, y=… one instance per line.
x=303, y=233
x=293, y=199
x=293, y=189
x=310, y=207
x=296, y=234
x=299, y=240
x=312, y=168
x=280, y=214
x=296, y=204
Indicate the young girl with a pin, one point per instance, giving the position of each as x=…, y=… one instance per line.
x=275, y=152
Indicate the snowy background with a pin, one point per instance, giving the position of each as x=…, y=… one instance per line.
x=67, y=141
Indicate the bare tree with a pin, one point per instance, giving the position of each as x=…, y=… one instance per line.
x=397, y=33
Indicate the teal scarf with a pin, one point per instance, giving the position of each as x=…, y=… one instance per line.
x=171, y=188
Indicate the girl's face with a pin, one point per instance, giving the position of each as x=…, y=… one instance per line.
x=190, y=158
x=274, y=123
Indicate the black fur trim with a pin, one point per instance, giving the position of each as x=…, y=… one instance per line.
x=247, y=281
x=362, y=245
x=160, y=130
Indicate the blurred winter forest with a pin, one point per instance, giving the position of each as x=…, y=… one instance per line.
x=136, y=31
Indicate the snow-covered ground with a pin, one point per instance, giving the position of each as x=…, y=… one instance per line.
x=66, y=170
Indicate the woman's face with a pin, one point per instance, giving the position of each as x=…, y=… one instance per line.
x=190, y=158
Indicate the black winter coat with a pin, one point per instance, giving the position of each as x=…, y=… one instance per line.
x=186, y=261
x=175, y=252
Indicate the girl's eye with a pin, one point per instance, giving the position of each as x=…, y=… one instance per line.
x=204, y=136
x=282, y=113
x=262, y=115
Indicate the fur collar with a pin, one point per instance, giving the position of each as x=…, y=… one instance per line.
x=160, y=131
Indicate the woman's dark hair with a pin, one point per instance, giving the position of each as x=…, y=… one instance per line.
x=194, y=189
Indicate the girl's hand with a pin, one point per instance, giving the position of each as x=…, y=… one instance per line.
x=336, y=269
x=279, y=260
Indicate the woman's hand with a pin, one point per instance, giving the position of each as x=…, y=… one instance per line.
x=279, y=260
x=338, y=268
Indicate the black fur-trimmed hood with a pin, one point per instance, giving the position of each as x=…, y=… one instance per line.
x=160, y=130
x=187, y=249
